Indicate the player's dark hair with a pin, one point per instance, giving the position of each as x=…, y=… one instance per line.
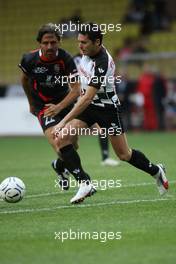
x=92, y=30
x=48, y=29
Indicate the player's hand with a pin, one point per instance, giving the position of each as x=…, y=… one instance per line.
x=51, y=110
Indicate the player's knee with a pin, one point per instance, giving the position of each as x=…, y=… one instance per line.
x=59, y=140
x=62, y=140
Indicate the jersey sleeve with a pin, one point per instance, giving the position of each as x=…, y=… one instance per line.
x=99, y=77
x=25, y=65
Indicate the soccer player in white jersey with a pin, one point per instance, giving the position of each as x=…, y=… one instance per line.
x=100, y=104
x=103, y=139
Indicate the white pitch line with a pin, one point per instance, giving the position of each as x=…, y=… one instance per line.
x=83, y=206
x=64, y=192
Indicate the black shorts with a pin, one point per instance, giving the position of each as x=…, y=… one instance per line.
x=108, y=118
x=47, y=122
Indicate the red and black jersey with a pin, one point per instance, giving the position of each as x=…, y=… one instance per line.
x=49, y=79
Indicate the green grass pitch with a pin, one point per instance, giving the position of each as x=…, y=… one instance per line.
x=147, y=222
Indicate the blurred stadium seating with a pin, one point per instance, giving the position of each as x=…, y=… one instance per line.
x=20, y=20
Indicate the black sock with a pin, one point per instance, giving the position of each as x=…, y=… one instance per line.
x=60, y=165
x=140, y=161
x=103, y=141
x=73, y=163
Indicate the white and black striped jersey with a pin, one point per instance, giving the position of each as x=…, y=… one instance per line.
x=99, y=72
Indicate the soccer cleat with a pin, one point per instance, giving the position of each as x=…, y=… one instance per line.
x=161, y=180
x=110, y=162
x=85, y=190
x=63, y=176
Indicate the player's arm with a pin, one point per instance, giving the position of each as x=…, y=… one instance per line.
x=70, y=98
x=93, y=86
x=27, y=89
x=83, y=102
x=73, y=81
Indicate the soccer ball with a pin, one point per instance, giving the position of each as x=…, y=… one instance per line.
x=12, y=190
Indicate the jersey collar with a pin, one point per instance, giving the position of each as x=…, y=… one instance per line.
x=97, y=54
x=43, y=58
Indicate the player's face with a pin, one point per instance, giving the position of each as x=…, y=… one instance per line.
x=49, y=46
x=86, y=46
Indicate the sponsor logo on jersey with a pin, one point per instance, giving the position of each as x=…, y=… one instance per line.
x=100, y=70
x=40, y=70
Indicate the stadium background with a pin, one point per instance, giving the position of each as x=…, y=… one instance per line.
x=27, y=229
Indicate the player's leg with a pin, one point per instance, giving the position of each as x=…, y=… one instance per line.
x=47, y=124
x=139, y=160
x=72, y=159
x=67, y=150
x=58, y=164
x=104, y=148
x=125, y=153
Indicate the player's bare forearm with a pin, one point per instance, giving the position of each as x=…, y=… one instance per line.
x=52, y=109
x=71, y=96
x=81, y=105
